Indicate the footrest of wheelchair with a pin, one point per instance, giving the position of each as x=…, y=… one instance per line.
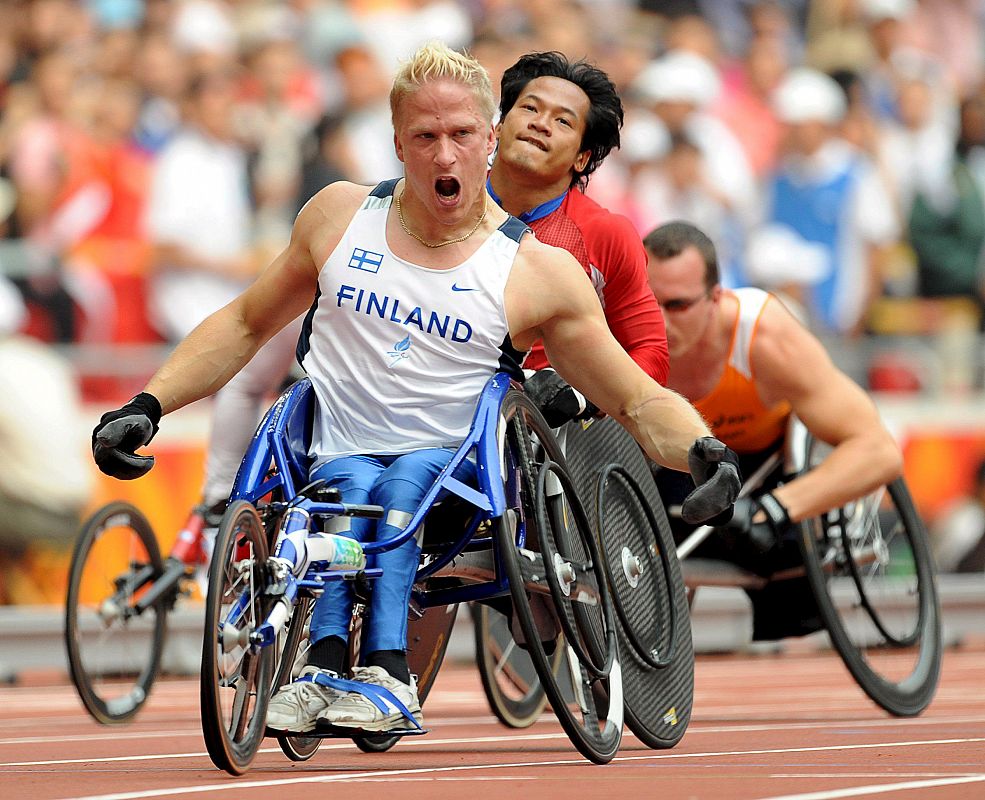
x=326, y=730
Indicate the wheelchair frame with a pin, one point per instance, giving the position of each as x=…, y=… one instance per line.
x=481, y=564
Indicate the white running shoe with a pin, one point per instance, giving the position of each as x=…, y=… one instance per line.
x=297, y=705
x=354, y=710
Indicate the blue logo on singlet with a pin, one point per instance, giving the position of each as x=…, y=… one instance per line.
x=399, y=352
x=366, y=260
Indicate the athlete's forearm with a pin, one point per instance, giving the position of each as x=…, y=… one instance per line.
x=852, y=470
x=665, y=425
x=205, y=361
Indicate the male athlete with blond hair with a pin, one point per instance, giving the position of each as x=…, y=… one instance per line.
x=419, y=289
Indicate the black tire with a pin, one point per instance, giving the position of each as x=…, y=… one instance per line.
x=296, y=747
x=552, y=531
x=114, y=653
x=375, y=744
x=640, y=558
x=236, y=679
x=870, y=568
x=509, y=678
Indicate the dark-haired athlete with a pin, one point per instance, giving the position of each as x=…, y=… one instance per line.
x=558, y=121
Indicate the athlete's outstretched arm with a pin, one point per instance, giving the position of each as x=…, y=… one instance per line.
x=791, y=364
x=548, y=297
x=225, y=341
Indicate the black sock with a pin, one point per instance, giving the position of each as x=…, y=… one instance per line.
x=393, y=661
x=328, y=653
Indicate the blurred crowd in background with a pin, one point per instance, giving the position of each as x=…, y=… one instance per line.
x=154, y=154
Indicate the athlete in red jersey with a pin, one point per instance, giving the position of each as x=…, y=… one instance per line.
x=558, y=122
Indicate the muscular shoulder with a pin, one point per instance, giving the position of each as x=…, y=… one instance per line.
x=787, y=359
x=546, y=282
x=325, y=216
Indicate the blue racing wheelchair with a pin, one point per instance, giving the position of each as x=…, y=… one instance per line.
x=520, y=534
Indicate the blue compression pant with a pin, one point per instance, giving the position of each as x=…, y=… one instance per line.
x=398, y=483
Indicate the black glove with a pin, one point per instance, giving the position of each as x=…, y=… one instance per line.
x=557, y=401
x=762, y=533
x=119, y=433
x=715, y=470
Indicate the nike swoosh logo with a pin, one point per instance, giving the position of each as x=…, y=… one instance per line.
x=456, y=288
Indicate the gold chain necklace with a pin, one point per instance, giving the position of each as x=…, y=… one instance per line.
x=425, y=242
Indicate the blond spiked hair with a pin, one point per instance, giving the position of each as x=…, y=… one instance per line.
x=434, y=61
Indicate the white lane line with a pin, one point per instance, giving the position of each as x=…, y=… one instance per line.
x=239, y=785
x=427, y=779
x=135, y=735
x=345, y=745
x=800, y=775
x=383, y=774
x=426, y=742
x=696, y=727
x=98, y=737
x=860, y=791
x=833, y=724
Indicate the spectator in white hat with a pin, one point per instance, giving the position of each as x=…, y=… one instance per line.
x=828, y=198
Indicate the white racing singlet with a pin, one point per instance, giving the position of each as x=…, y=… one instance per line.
x=398, y=353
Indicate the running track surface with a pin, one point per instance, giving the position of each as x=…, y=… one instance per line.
x=792, y=725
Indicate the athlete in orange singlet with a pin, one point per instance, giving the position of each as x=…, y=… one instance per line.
x=747, y=364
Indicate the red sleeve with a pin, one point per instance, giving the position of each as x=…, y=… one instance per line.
x=631, y=310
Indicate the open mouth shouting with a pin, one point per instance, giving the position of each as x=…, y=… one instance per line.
x=448, y=189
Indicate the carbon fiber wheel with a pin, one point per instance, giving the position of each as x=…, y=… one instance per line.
x=641, y=564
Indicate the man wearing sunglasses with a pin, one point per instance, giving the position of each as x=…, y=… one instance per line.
x=747, y=364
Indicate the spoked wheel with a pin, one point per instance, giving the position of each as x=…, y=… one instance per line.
x=508, y=676
x=236, y=677
x=870, y=568
x=296, y=747
x=114, y=645
x=556, y=581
